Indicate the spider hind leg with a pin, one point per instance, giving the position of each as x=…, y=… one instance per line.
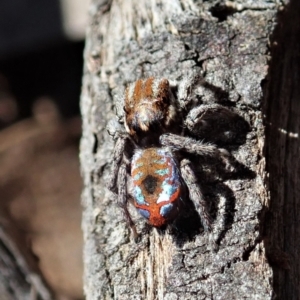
x=123, y=200
x=195, y=193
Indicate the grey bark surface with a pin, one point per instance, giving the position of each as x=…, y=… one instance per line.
x=227, y=42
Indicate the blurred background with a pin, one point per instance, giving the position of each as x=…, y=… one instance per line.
x=41, y=62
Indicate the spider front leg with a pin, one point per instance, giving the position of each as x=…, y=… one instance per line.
x=187, y=87
x=214, y=121
x=190, y=145
x=200, y=114
x=123, y=198
x=118, y=133
x=195, y=193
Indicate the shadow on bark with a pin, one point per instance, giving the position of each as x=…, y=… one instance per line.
x=282, y=109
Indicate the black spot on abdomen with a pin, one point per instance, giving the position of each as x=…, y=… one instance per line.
x=150, y=184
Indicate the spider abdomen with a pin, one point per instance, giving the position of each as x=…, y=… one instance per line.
x=157, y=185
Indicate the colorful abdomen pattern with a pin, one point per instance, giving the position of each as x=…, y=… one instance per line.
x=157, y=185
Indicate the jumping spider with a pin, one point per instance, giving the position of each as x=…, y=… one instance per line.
x=150, y=165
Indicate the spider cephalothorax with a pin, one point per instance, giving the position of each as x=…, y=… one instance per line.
x=149, y=107
x=157, y=171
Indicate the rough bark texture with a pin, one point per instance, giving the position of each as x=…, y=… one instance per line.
x=227, y=42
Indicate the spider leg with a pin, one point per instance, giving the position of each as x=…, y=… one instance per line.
x=123, y=199
x=195, y=193
x=187, y=86
x=115, y=129
x=181, y=143
x=117, y=161
x=216, y=121
x=199, y=115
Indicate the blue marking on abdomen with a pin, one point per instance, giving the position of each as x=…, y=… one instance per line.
x=145, y=213
x=138, y=176
x=137, y=165
x=162, y=172
x=166, y=209
x=167, y=191
x=139, y=197
x=160, y=161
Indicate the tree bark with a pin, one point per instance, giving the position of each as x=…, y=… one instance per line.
x=227, y=42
